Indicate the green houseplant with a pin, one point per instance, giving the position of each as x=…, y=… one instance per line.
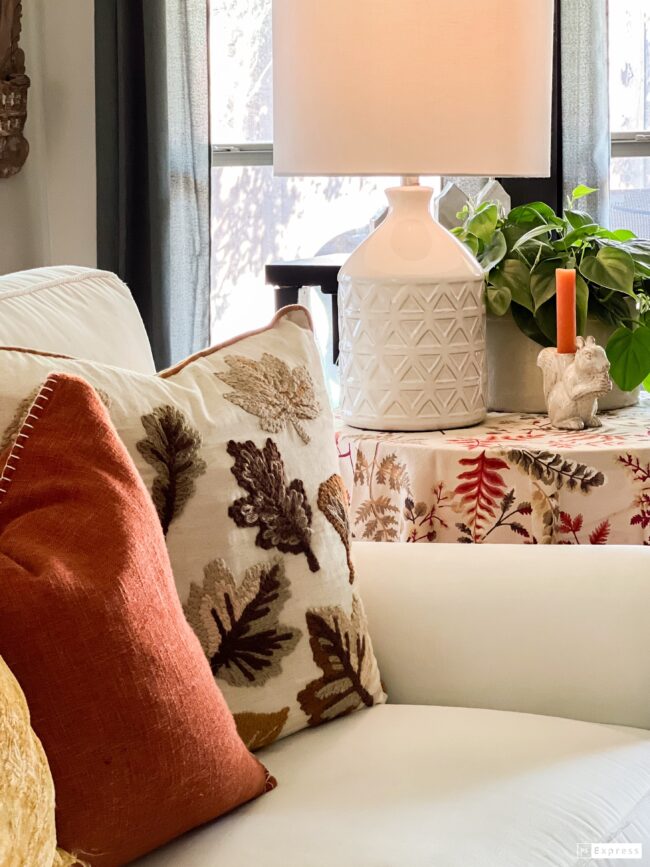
x=520, y=252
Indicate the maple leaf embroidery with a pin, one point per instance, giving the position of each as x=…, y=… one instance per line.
x=238, y=626
x=269, y=389
x=280, y=510
x=333, y=503
x=171, y=447
x=258, y=730
x=341, y=648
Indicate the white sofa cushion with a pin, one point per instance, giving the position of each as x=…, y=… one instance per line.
x=547, y=629
x=406, y=786
x=74, y=311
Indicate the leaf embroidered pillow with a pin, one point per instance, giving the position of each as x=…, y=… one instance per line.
x=236, y=446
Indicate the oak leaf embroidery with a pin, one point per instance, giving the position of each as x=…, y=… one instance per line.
x=333, y=503
x=239, y=626
x=279, y=510
x=171, y=447
x=341, y=648
x=258, y=730
x=271, y=390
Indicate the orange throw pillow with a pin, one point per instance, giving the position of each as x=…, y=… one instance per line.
x=141, y=744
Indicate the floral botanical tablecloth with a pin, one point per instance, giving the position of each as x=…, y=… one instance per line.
x=513, y=479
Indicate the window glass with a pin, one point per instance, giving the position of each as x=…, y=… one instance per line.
x=629, y=50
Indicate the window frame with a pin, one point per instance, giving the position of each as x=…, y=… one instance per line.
x=257, y=154
x=630, y=144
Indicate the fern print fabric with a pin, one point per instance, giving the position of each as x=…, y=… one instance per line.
x=512, y=480
x=237, y=448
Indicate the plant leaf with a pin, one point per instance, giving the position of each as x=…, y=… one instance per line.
x=483, y=223
x=587, y=231
x=497, y=300
x=612, y=268
x=514, y=276
x=581, y=191
x=536, y=232
x=629, y=354
x=341, y=648
x=273, y=392
x=472, y=243
x=171, y=447
x=616, y=235
x=333, y=503
x=543, y=281
x=582, y=304
x=239, y=626
x=535, y=213
x=258, y=730
x=280, y=510
x=494, y=252
x=526, y=323
x=577, y=219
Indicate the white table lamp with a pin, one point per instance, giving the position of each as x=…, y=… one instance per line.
x=410, y=88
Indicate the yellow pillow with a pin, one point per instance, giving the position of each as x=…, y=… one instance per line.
x=27, y=829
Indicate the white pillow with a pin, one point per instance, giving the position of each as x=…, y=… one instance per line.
x=237, y=446
x=74, y=311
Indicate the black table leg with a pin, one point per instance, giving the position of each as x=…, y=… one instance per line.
x=335, y=328
x=286, y=295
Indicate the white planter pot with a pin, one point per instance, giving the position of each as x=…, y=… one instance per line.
x=515, y=381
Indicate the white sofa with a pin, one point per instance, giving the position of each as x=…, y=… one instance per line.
x=519, y=688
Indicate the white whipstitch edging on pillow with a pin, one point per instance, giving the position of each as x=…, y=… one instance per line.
x=34, y=414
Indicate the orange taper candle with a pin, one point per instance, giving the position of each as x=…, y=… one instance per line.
x=566, y=310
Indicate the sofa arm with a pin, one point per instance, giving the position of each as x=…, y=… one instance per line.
x=561, y=631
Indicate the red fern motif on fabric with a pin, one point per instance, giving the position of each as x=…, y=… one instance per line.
x=482, y=488
x=640, y=473
x=601, y=534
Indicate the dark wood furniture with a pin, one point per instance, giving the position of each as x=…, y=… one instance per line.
x=290, y=277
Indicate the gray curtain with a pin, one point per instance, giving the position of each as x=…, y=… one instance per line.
x=585, y=100
x=153, y=165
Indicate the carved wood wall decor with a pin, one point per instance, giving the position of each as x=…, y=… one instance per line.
x=13, y=91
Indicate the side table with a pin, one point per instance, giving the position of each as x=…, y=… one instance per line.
x=290, y=277
x=511, y=480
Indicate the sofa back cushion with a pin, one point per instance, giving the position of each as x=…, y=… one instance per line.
x=74, y=311
x=140, y=741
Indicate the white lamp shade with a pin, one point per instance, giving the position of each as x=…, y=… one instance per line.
x=413, y=87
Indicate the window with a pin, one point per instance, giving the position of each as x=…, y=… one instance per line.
x=630, y=115
x=256, y=217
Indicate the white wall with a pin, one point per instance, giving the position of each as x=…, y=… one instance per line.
x=48, y=211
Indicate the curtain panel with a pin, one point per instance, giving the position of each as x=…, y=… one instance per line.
x=585, y=100
x=153, y=165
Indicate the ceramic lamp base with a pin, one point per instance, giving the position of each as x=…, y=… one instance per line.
x=412, y=357
x=412, y=324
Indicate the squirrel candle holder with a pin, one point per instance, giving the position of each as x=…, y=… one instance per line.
x=573, y=382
